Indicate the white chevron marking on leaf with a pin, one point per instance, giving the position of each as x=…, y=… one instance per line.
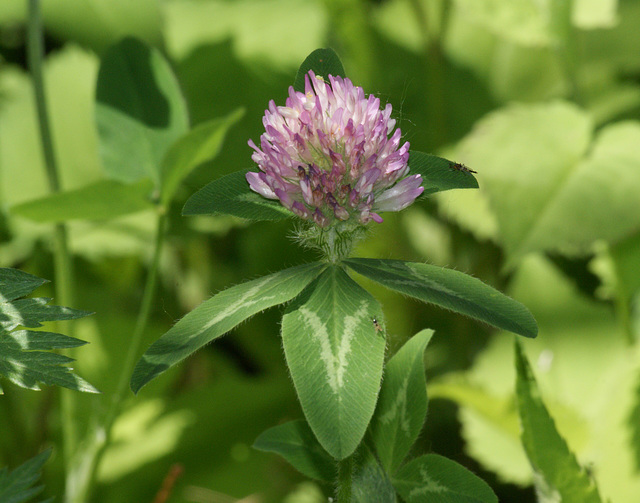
x=399, y=408
x=335, y=364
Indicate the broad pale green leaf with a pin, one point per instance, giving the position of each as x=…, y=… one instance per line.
x=450, y=289
x=231, y=195
x=217, y=316
x=201, y=144
x=559, y=472
x=634, y=424
x=335, y=353
x=402, y=406
x=295, y=442
x=24, y=356
x=436, y=479
x=323, y=62
x=609, y=180
x=439, y=174
x=99, y=201
x=140, y=111
x=16, y=486
x=544, y=177
x=370, y=483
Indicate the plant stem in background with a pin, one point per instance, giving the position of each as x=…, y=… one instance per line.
x=63, y=266
x=345, y=480
x=567, y=46
x=432, y=36
x=84, y=476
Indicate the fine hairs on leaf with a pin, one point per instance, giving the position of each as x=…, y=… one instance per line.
x=25, y=355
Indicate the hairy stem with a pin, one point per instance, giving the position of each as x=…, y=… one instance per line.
x=345, y=480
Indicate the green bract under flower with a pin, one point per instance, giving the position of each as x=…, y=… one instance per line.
x=330, y=155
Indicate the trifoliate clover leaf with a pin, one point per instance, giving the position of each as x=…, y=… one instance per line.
x=25, y=357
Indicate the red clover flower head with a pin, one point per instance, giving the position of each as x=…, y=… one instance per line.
x=329, y=155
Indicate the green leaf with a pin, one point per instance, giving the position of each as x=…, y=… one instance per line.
x=15, y=283
x=15, y=486
x=24, y=356
x=402, y=406
x=370, y=483
x=439, y=174
x=559, y=473
x=544, y=175
x=295, y=442
x=335, y=354
x=140, y=111
x=217, y=316
x=201, y=144
x=450, y=289
x=102, y=200
x=323, y=62
x=231, y=195
x=27, y=312
x=436, y=479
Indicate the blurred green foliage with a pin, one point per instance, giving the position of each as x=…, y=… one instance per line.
x=542, y=99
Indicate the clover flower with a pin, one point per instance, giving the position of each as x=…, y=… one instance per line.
x=329, y=155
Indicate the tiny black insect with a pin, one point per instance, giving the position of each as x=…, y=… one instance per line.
x=376, y=325
x=461, y=167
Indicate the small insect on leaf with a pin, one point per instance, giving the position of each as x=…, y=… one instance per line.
x=376, y=325
x=461, y=167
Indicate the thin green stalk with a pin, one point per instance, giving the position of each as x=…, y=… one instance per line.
x=62, y=258
x=345, y=480
x=85, y=475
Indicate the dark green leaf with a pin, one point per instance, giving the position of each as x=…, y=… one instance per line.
x=402, y=406
x=99, y=201
x=450, y=289
x=559, y=474
x=231, y=195
x=323, y=62
x=436, y=479
x=201, y=144
x=439, y=174
x=31, y=312
x=217, y=316
x=335, y=355
x=15, y=283
x=370, y=483
x=24, y=356
x=295, y=442
x=15, y=486
x=140, y=111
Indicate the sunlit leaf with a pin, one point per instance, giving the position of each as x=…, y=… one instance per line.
x=295, y=442
x=217, y=316
x=140, y=111
x=99, y=201
x=16, y=486
x=559, y=472
x=335, y=352
x=402, y=406
x=231, y=195
x=323, y=62
x=449, y=289
x=25, y=357
x=436, y=479
x=199, y=145
x=439, y=174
